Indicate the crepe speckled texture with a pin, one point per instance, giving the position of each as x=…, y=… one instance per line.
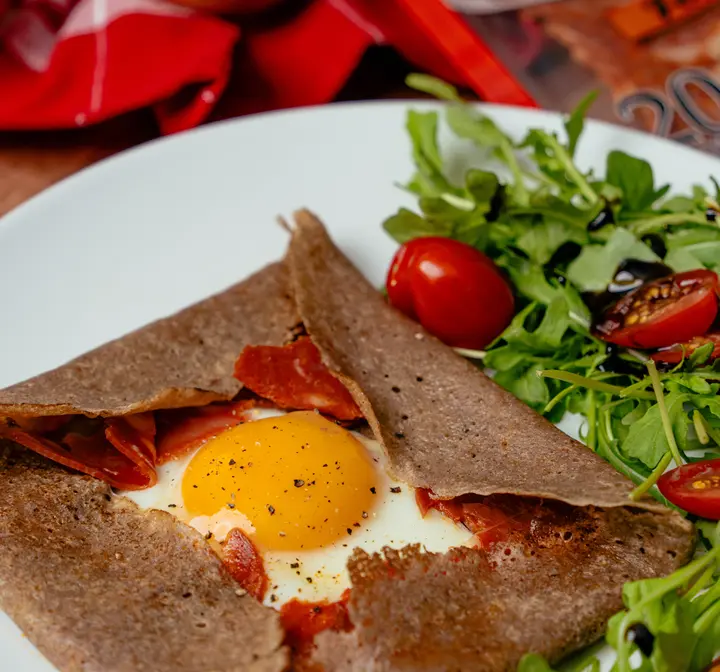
x=447, y=427
x=183, y=360
x=101, y=586
x=476, y=611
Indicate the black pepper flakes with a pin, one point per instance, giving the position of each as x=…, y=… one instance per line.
x=299, y=482
x=396, y=489
x=317, y=610
x=230, y=505
x=373, y=490
x=364, y=514
x=271, y=509
x=231, y=462
x=349, y=530
x=308, y=579
x=273, y=598
x=172, y=506
x=294, y=565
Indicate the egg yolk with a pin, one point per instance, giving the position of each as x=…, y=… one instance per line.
x=301, y=480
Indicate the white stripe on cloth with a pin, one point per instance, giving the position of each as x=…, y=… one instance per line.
x=350, y=13
x=100, y=13
x=85, y=18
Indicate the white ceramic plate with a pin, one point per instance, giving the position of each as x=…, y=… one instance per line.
x=152, y=230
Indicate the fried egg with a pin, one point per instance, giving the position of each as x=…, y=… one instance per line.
x=306, y=492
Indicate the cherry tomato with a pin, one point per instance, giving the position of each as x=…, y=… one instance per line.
x=662, y=312
x=674, y=354
x=694, y=487
x=452, y=289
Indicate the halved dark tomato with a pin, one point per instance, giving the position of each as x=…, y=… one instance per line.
x=675, y=353
x=694, y=488
x=663, y=312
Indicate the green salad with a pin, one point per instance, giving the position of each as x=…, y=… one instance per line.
x=612, y=314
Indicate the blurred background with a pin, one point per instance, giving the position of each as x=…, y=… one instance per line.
x=83, y=79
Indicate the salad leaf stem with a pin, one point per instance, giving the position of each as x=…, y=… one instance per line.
x=471, y=354
x=591, y=438
x=582, y=184
x=701, y=583
x=640, y=227
x=591, y=384
x=508, y=155
x=713, y=433
x=559, y=397
x=664, y=416
x=707, y=619
x=700, y=428
x=651, y=480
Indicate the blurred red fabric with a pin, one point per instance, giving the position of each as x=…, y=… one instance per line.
x=70, y=63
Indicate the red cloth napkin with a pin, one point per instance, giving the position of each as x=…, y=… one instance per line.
x=69, y=63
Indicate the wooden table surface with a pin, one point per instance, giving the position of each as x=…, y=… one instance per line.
x=31, y=162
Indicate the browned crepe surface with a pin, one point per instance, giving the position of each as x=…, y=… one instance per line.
x=101, y=586
x=446, y=426
x=475, y=611
x=183, y=360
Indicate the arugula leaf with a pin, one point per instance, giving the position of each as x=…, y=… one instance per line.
x=482, y=186
x=700, y=356
x=529, y=279
x=484, y=132
x=575, y=122
x=595, y=267
x=406, y=225
x=635, y=178
x=647, y=441
x=702, y=243
x=432, y=85
x=541, y=241
x=556, y=163
x=429, y=179
x=681, y=259
x=680, y=204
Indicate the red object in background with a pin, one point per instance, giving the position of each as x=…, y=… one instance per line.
x=69, y=63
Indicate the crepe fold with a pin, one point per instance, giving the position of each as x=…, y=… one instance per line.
x=99, y=585
x=183, y=360
x=447, y=427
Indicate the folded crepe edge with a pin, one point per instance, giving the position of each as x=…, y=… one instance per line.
x=182, y=360
x=306, y=220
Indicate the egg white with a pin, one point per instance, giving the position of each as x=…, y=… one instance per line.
x=321, y=573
